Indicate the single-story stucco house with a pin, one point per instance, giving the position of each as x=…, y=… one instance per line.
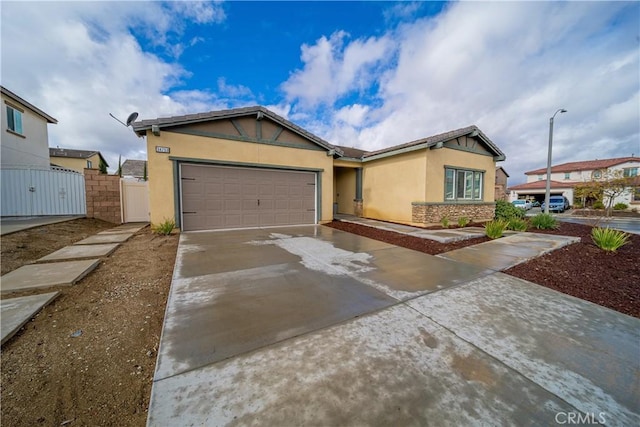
x=249, y=167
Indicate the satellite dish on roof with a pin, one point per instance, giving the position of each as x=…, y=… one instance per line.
x=132, y=118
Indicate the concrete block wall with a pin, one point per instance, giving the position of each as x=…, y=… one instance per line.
x=432, y=213
x=103, y=196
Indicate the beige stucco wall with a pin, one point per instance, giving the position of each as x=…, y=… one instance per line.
x=439, y=158
x=161, y=192
x=345, y=189
x=76, y=164
x=391, y=184
x=31, y=149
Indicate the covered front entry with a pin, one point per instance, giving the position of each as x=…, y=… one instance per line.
x=217, y=197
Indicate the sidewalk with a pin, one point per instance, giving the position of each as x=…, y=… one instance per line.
x=10, y=225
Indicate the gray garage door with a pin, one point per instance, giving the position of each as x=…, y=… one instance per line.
x=215, y=197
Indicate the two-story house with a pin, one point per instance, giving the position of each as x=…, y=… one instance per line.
x=77, y=160
x=565, y=177
x=25, y=137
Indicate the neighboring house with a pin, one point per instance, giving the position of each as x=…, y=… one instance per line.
x=25, y=137
x=77, y=160
x=501, y=184
x=249, y=167
x=134, y=169
x=565, y=177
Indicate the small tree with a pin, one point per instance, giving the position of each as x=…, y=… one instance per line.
x=102, y=167
x=144, y=172
x=119, y=172
x=605, y=189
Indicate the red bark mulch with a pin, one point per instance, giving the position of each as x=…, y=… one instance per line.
x=582, y=269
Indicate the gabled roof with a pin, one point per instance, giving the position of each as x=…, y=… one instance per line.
x=6, y=92
x=143, y=126
x=435, y=139
x=133, y=167
x=542, y=185
x=503, y=170
x=74, y=154
x=351, y=152
x=585, y=165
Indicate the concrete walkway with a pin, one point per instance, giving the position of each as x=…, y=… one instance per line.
x=442, y=236
x=313, y=326
x=10, y=225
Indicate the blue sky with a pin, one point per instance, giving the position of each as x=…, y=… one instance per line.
x=362, y=74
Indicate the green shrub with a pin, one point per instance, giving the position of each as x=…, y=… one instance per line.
x=609, y=239
x=544, y=221
x=620, y=206
x=517, y=224
x=165, y=227
x=495, y=228
x=506, y=211
x=598, y=205
x=578, y=205
x=444, y=221
x=463, y=221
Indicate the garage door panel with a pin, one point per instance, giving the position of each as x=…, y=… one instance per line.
x=229, y=197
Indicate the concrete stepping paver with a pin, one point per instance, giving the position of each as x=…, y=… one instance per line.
x=127, y=228
x=105, y=238
x=80, y=252
x=45, y=275
x=15, y=312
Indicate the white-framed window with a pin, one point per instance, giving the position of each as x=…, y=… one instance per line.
x=630, y=172
x=462, y=184
x=540, y=177
x=567, y=175
x=89, y=164
x=14, y=120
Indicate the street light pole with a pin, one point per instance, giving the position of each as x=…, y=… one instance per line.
x=548, y=188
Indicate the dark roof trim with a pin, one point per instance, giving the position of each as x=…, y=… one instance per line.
x=28, y=105
x=75, y=154
x=432, y=141
x=141, y=127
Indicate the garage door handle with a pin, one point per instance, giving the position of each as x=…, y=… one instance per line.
x=188, y=212
x=188, y=179
x=258, y=202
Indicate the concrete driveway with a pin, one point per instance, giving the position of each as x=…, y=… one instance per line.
x=313, y=326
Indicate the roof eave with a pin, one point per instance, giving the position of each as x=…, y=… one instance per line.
x=141, y=128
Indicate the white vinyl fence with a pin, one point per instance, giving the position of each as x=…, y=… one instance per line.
x=30, y=192
x=135, y=200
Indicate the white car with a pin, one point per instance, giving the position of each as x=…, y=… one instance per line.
x=523, y=204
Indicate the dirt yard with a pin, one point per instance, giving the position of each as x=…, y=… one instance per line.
x=52, y=377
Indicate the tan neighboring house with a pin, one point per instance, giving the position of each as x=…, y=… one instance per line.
x=501, y=184
x=249, y=167
x=566, y=176
x=134, y=169
x=77, y=160
x=25, y=137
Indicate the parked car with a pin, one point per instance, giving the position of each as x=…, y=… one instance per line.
x=557, y=204
x=523, y=204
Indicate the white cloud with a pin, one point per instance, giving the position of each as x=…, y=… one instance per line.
x=79, y=61
x=334, y=68
x=506, y=67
